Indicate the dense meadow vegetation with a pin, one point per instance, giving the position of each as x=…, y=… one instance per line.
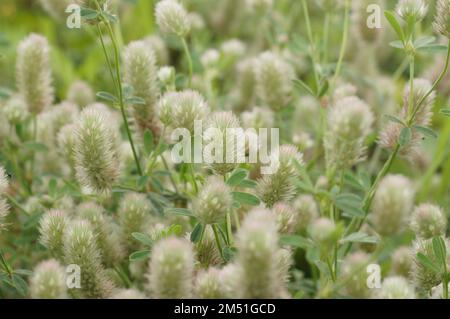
x=105, y=105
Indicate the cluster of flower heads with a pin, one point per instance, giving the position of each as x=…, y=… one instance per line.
x=220, y=230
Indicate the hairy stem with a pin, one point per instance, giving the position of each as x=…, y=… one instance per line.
x=189, y=58
x=343, y=46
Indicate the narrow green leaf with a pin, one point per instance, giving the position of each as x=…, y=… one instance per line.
x=107, y=96
x=397, y=44
x=295, y=241
x=88, y=14
x=427, y=263
x=197, y=233
x=179, y=211
x=424, y=41
x=35, y=146
x=433, y=48
x=228, y=253
x=405, y=136
x=20, y=284
x=360, y=237
x=135, y=100
x=350, y=204
x=148, y=142
x=139, y=255
x=143, y=238
x=246, y=198
x=248, y=183
x=237, y=177
x=446, y=112
x=302, y=85
x=426, y=131
x=324, y=88
x=394, y=119
x=440, y=251
x=395, y=25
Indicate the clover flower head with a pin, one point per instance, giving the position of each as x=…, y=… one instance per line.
x=213, y=202
x=172, y=18
x=171, y=269
x=392, y=204
x=48, y=281
x=412, y=9
x=428, y=221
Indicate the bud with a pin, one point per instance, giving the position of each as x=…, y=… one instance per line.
x=52, y=227
x=323, y=230
x=392, y=204
x=206, y=250
x=209, y=284
x=15, y=110
x=442, y=19
x=96, y=155
x=349, y=124
x=232, y=49
x=66, y=143
x=33, y=73
x=424, y=279
x=273, y=78
x=172, y=18
x=213, y=202
x=182, y=109
x=80, y=248
x=412, y=9
x=48, y=281
x=257, y=244
x=286, y=217
x=306, y=210
x=171, y=269
x=421, y=88
x=219, y=129
x=246, y=83
x=109, y=245
x=166, y=75
x=395, y=288
x=258, y=117
x=210, y=58
x=401, y=263
x=141, y=73
x=354, y=268
x=428, y=221
x=133, y=216
x=81, y=94
x=280, y=186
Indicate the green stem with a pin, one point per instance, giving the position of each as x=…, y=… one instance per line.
x=356, y=223
x=436, y=83
x=229, y=231
x=311, y=40
x=189, y=58
x=411, y=86
x=326, y=37
x=194, y=181
x=121, y=97
x=216, y=236
x=172, y=180
x=343, y=47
